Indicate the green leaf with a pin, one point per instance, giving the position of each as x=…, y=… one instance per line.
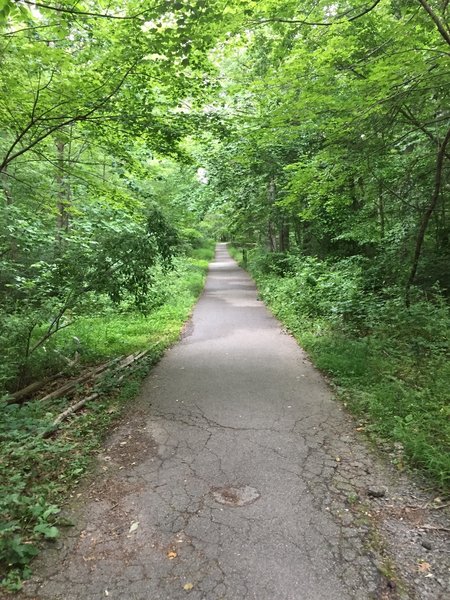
x=48, y=531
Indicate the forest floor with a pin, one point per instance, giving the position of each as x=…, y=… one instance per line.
x=235, y=475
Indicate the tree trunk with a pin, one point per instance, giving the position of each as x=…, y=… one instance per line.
x=271, y=230
x=284, y=237
x=381, y=210
x=5, y=183
x=271, y=237
x=427, y=216
x=62, y=220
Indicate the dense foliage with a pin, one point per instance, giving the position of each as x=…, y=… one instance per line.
x=337, y=138
x=90, y=101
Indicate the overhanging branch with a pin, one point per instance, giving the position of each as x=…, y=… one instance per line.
x=80, y=13
x=339, y=18
x=12, y=155
x=440, y=26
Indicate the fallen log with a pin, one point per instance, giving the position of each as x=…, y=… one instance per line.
x=62, y=416
x=132, y=358
x=128, y=361
x=434, y=528
x=66, y=413
x=17, y=397
x=72, y=385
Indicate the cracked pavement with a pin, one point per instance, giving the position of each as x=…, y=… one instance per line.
x=234, y=476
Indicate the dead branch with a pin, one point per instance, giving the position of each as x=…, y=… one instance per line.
x=62, y=416
x=25, y=392
x=72, y=385
x=434, y=528
x=126, y=362
x=132, y=358
x=118, y=364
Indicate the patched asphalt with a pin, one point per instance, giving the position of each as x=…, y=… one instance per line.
x=234, y=476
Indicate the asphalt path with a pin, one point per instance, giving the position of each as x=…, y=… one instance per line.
x=227, y=480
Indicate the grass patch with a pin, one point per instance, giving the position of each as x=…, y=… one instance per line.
x=390, y=365
x=37, y=473
x=106, y=336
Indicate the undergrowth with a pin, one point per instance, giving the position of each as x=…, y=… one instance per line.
x=37, y=472
x=390, y=364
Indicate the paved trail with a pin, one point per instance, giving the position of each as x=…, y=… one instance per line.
x=238, y=467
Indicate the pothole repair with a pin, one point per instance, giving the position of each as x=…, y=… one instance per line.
x=235, y=496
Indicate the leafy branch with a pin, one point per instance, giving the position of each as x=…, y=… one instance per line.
x=338, y=18
x=84, y=116
x=440, y=26
x=80, y=13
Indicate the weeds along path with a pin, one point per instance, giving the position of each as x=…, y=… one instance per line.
x=236, y=476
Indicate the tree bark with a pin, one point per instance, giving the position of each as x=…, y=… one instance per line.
x=427, y=215
x=62, y=219
x=439, y=24
x=271, y=196
x=381, y=210
x=5, y=183
x=284, y=237
x=271, y=237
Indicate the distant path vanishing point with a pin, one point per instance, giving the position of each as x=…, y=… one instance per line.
x=231, y=478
